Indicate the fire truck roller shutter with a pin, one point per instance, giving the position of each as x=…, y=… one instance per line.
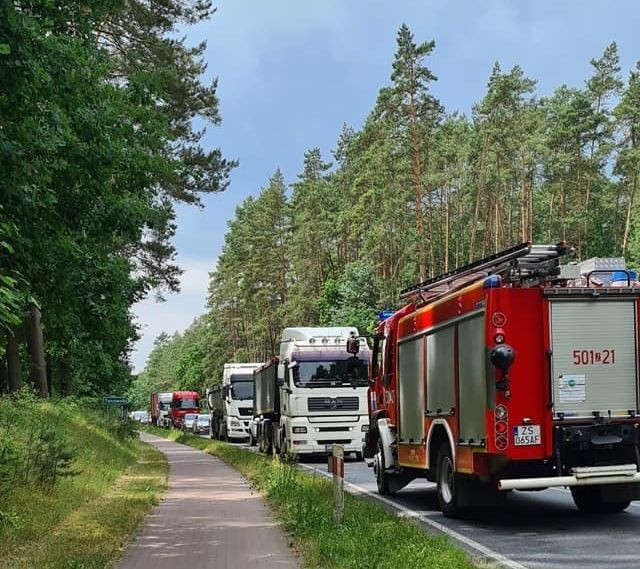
x=594, y=356
x=472, y=379
x=440, y=371
x=411, y=390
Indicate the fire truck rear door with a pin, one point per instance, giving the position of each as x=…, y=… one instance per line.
x=594, y=360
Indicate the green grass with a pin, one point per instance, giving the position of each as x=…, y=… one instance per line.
x=370, y=536
x=86, y=518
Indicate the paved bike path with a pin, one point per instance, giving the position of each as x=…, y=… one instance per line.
x=210, y=518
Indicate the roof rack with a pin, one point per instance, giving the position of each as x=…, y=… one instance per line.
x=520, y=263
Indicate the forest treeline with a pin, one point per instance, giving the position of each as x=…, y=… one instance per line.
x=97, y=144
x=416, y=191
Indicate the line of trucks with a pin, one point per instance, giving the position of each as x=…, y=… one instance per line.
x=511, y=373
x=311, y=396
x=168, y=408
x=308, y=398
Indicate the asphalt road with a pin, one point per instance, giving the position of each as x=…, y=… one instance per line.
x=533, y=530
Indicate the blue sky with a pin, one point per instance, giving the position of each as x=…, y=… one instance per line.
x=292, y=72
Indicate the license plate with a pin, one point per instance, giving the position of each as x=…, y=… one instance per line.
x=524, y=435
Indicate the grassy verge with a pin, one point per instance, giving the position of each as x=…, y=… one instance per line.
x=370, y=536
x=84, y=518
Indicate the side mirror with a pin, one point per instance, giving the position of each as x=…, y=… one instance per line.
x=353, y=345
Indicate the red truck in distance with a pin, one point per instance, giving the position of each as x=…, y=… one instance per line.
x=183, y=402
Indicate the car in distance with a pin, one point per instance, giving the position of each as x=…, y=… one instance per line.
x=200, y=424
x=189, y=419
x=140, y=416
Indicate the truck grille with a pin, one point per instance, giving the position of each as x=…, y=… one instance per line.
x=245, y=411
x=334, y=441
x=332, y=404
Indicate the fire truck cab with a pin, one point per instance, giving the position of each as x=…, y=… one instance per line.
x=509, y=374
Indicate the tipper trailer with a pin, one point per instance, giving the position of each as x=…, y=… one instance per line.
x=266, y=404
x=508, y=374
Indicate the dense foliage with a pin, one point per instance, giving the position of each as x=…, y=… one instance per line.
x=97, y=144
x=417, y=191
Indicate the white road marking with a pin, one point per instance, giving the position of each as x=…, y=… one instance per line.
x=423, y=516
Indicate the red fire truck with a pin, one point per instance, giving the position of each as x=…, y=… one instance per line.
x=183, y=402
x=505, y=375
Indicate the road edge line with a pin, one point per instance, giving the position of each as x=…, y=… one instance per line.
x=359, y=490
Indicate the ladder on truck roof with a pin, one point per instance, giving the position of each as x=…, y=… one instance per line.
x=523, y=262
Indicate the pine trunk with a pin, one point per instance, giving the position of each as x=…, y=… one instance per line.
x=627, y=225
x=476, y=210
x=35, y=345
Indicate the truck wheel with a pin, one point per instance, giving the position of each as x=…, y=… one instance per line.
x=267, y=445
x=588, y=500
x=379, y=467
x=252, y=441
x=282, y=451
x=447, y=483
x=274, y=449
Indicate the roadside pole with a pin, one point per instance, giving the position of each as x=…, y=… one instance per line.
x=336, y=467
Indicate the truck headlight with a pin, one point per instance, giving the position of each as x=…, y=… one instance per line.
x=364, y=428
x=298, y=429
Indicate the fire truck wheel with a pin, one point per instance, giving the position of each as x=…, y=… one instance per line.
x=447, y=483
x=588, y=500
x=382, y=478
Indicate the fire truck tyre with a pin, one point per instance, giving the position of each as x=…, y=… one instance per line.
x=588, y=500
x=382, y=478
x=447, y=483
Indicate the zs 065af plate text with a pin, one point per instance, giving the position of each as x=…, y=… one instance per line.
x=524, y=435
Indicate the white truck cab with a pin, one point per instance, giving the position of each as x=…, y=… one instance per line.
x=323, y=379
x=231, y=403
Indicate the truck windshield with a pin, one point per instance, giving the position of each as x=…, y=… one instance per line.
x=242, y=390
x=185, y=404
x=352, y=372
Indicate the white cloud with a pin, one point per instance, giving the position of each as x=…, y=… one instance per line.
x=177, y=312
